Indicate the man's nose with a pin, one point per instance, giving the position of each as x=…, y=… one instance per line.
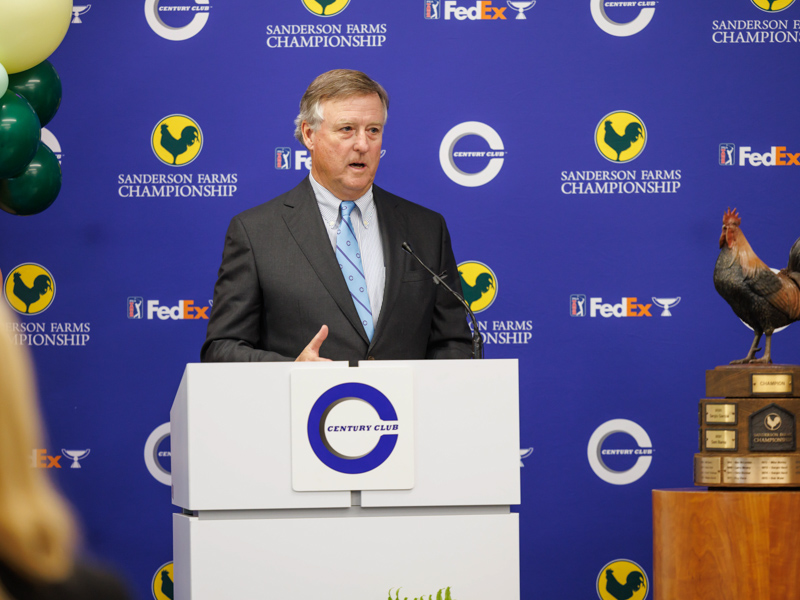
x=361, y=142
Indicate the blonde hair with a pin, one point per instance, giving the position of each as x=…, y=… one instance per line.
x=37, y=528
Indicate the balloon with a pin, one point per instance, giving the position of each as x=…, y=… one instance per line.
x=3, y=80
x=40, y=86
x=30, y=30
x=19, y=134
x=35, y=188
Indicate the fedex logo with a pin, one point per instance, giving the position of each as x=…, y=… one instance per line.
x=628, y=307
x=41, y=460
x=302, y=159
x=482, y=11
x=186, y=309
x=777, y=156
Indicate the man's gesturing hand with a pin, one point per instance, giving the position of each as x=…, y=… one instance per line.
x=311, y=352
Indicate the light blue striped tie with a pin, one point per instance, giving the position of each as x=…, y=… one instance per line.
x=349, y=255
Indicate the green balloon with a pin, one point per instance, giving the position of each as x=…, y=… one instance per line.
x=19, y=134
x=41, y=86
x=33, y=190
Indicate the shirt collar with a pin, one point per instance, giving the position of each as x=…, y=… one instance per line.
x=329, y=205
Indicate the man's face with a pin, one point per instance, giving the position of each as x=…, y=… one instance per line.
x=346, y=149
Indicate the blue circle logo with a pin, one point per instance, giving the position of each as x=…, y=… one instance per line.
x=317, y=437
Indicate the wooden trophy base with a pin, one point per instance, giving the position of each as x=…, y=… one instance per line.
x=731, y=545
x=748, y=428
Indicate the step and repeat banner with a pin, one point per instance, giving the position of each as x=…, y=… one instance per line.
x=583, y=153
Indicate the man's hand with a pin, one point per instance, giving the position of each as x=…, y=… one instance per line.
x=311, y=352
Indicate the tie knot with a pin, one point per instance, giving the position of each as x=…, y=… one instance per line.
x=347, y=207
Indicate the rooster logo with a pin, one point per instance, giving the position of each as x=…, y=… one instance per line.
x=177, y=140
x=29, y=289
x=478, y=284
x=773, y=5
x=620, y=136
x=772, y=421
x=163, y=586
x=622, y=580
x=325, y=8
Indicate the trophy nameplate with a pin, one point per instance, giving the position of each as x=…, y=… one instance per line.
x=748, y=431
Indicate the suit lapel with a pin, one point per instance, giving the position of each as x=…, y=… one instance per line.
x=302, y=218
x=393, y=234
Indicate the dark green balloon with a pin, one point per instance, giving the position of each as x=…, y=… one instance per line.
x=19, y=134
x=41, y=86
x=35, y=188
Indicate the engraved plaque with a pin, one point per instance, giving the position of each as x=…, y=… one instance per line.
x=742, y=470
x=707, y=470
x=720, y=413
x=772, y=429
x=721, y=439
x=771, y=384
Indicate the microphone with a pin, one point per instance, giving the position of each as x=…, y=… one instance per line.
x=477, y=338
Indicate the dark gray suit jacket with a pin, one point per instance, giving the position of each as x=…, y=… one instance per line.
x=280, y=281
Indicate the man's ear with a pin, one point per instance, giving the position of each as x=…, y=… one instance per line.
x=308, y=135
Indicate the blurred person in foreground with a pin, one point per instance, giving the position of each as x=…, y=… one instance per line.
x=38, y=532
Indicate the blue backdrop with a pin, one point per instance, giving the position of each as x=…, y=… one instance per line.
x=532, y=192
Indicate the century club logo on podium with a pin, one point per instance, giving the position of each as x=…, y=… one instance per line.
x=352, y=432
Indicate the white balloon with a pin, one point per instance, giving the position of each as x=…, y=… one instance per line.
x=3, y=80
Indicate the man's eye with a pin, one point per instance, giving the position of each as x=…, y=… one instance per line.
x=348, y=128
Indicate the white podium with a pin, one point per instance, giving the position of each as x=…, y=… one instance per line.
x=245, y=532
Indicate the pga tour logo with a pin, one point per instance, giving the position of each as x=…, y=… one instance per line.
x=352, y=433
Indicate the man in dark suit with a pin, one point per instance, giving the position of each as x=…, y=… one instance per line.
x=288, y=267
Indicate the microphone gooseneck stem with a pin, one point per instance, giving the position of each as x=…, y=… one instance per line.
x=477, y=338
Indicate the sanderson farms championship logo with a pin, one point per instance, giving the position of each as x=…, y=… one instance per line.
x=773, y=5
x=325, y=8
x=620, y=136
x=176, y=140
x=29, y=289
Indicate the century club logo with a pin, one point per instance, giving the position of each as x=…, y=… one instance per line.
x=773, y=6
x=163, y=586
x=633, y=15
x=176, y=140
x=29, y=289
x=612, y=464
x=478, y=285
x=156, y=10
x=474, y=132
x=157, y=454
x=481, y=10
x=333, y=439
x=622, y=579
x=153, y=309
x=325, y=8
x=626, y=307
x=620, y=136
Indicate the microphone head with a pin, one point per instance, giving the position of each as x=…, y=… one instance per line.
x=407, y=248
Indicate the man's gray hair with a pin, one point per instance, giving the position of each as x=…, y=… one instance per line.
x=335, y=85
